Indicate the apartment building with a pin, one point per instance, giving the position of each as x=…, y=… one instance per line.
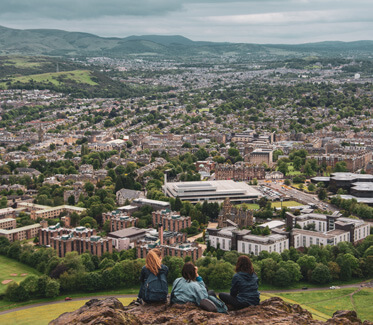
x=171, y=221
x=23, y=233
x=8, y=223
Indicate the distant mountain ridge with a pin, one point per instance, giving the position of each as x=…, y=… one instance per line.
x=55, y=42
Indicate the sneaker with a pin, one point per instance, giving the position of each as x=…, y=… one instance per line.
x=208, y=305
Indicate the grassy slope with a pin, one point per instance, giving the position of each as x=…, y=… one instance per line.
x=44, y=314
x=9, y=266
x=80, y=76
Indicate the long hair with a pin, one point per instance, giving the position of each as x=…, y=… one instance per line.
x=153, y=261
x=189, y=272
x=244, y=265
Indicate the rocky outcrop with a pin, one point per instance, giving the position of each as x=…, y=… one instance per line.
x=271, y=311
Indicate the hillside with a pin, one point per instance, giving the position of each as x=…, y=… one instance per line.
x=62, y=43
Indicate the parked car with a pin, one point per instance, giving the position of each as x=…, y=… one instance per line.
x=305, y=288
x=68, y=298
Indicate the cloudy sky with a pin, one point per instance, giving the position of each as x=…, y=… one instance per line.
x=248, y=21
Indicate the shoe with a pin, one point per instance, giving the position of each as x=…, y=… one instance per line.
x=208, y=305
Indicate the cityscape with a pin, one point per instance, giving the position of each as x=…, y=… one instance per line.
x=114, y=148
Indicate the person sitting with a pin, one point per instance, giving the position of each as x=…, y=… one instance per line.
x=244, y=291
x=191, y=288
x=153, y=279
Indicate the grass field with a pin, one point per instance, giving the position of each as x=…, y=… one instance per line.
x=23, y=62
x=328, y=301
x=9, y=266
x=80, y=76
x=286, y=204
x=249, y=206
x=44, y=314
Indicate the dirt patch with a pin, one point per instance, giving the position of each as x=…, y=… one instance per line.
x=14, y=274
x=6, y=281
x=24, y=274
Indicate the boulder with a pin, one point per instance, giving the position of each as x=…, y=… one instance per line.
x=271, y=311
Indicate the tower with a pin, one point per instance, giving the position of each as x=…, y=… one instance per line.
x=40, y=134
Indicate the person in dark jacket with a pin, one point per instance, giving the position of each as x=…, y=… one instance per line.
x=153, y=264
x=244, y=291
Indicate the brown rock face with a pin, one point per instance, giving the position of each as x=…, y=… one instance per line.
x=271, y=311
x=95, y=312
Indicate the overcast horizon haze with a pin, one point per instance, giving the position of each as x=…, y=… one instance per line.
x=251, y=21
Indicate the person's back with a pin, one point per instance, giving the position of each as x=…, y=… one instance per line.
x=244, y=291
x=153, y=279
x=245, y=288
x=188, y=291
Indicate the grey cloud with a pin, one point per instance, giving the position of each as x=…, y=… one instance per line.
x=75, y=9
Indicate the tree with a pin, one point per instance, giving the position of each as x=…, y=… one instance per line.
x=52, y=289
x=174, y=264
x=306, y=263
x=321, y=274
x=71, y=200
x=268, y=270
x=322, y=194
x=311, y=187
x=178, y=204
x=221, y=275
x=282, y=278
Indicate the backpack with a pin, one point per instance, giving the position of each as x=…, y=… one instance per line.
x=156, y=288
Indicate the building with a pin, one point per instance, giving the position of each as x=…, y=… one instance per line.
x=47, y=234
x=47, y=212
x=95, y=245
x=211, y=191
x=124, y=194
x=120, y=222
x=156, y=205
x=23, y=233
x=260, y=156
x=178, y=250
x=7, y=213
x=240, y=171
x=230, y=238
x=127, y=238
x=319, y=229
x=171, y=221
x=8, y=223
x=230, y=215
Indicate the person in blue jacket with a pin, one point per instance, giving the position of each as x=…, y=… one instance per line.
x=244, y=291
x=153, y=264
x=191, y=288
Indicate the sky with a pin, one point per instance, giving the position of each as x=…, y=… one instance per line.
x=238, y=21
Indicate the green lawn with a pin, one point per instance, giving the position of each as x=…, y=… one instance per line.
x=9, y=266
x=80, y=76
x=248, y=206
x=329, y=301
x=286, y=204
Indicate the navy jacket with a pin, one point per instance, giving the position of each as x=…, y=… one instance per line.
x=144, y=276
x=245, y=288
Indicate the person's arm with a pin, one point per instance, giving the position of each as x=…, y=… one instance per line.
x=200, y=291
x=235, y=286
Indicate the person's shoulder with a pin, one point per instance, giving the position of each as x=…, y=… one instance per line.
x=164, y=267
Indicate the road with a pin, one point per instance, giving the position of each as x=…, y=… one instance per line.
x=365, y=283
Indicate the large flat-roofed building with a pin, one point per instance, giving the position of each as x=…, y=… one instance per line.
x=126, y=238
x=212, y=191
x=22, y=233
x=155, y=204
x=305, y=238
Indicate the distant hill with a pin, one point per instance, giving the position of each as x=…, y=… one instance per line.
x=54, y=42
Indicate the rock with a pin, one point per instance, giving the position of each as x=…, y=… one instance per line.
x=106, y=311
x=270, y=311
